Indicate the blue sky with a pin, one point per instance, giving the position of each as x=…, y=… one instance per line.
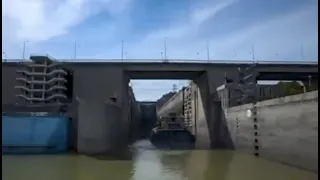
x=279, y=30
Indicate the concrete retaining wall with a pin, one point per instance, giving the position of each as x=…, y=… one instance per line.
x=32, y=134
x=148, y=118
x=287, y=129
x=134, y=117
x=99, y=127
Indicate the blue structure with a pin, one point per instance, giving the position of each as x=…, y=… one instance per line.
x=34, y=134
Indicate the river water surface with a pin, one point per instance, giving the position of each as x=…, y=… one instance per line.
x=148, y=163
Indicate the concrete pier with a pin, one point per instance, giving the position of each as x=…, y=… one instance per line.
x=97, y=122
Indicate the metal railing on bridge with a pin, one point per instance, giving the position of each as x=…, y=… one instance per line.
x=170, y=61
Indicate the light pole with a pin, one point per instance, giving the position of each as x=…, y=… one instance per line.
x=4, y=56
x=121, y=50
x=24, y=49
x=165, y=49
x=310, y=81
x=75, y=50
x=253, y=55
x=208, y=51
x=301, y=51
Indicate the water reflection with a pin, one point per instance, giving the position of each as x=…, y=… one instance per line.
x=147, y=163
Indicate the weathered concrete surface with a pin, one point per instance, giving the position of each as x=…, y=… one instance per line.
x=134, y=118
x=174, y=104
x=99, y=127
x=220, y=136
x=206, y=107
x=287, y=129
x=73, y=128
x=202, y=133
x=8, y=83
x=148, y=116
x=103, y=109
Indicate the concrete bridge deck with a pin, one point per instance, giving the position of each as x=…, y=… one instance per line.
x=199, y=61
x=187, y=69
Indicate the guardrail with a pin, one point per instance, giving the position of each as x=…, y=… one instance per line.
x=170, y=61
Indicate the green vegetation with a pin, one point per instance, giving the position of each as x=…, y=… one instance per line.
x=291, y=88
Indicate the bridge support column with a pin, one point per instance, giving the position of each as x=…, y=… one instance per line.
x=102, y=109
x=98, y=127
x=208, y=111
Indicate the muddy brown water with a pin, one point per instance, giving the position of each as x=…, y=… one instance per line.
x=147, y=163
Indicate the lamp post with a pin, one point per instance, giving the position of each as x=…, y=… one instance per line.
x=4, y=56
x=75, y=50
x=208, y=51
x=165, y=49
x=253, y=55
x=24, y=49
x=121, y=50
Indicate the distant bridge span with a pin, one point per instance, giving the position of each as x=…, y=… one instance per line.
x=187, y=69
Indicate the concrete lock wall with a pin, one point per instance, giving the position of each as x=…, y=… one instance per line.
x=148, y=118
x=31, y=134
x=8, y=83
x=99, y=127
x=287, y=129
x=102, y=112
x=134, y=117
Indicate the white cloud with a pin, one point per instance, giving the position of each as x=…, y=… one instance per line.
x=37, y=21
x=178, y=38
x=185, y=29
x=202, y=14
x=41, y=20
x=274, y=39
x=280, y=38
